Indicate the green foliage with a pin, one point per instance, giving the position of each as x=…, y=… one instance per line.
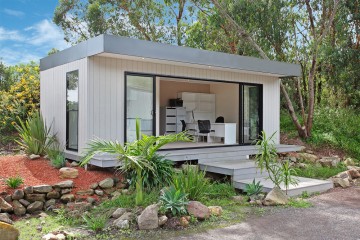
x=217, y=190
x=135, y=156
x=158, y=176
x=174, y=200
x=192, y=182
x=299, y=203
x=14, y=182
x=253, y=189
x=128, y=200
x=34, y=134
x=287, y=175
x=319, y=172
x=56, y=155
x=95, y=223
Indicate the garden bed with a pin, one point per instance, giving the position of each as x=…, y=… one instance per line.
x=39, y=171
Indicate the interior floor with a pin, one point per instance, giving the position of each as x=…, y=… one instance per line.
x=194, y=145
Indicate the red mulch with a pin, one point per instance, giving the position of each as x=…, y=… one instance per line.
x=39, y=171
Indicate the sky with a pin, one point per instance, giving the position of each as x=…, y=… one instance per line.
x=27, y=31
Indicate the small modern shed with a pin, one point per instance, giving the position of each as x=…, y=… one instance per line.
x=97, y=88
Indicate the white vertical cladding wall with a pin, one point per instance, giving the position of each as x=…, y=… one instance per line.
x=53, y=99
x=106, y=92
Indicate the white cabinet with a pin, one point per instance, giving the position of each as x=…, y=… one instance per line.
x=202, y=104
x=170, y=119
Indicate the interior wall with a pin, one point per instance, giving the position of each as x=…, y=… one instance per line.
x=227, y=102
x=169, y=89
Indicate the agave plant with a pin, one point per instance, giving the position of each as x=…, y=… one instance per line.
x=253, y=189
x=174, y=200
x=134, y=156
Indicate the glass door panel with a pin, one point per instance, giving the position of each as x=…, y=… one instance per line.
x=251, y=113
x=72, y=110
x=139, y=104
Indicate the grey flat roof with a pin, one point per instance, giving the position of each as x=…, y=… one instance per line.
x=160, y=51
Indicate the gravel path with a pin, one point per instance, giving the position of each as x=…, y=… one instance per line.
x=335, y=215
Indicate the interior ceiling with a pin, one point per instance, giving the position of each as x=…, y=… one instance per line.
x=191, y=81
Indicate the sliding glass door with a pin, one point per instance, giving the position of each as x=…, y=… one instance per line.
x=251, y=113
x=72, y=110
x=140, y=103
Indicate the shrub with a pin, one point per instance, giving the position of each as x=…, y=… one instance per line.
x=174, y=200
x=192, y=182
x=218, y=190
x=158, y=177
x=253, y=189
x=56, y=156
x=14, y=182
x=35, y=135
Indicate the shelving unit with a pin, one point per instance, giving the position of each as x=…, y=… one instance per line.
x=202, y=104
x=170, y=118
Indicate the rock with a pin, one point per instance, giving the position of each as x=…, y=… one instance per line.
x=74, y=164
x=99, y=192
x=35, y=197
x=81, y=206
x=148, y=219
x=4, y=217
x=35, y=207
x=115, y=194
x=162, y=220
x=357, y=182
x=19, y=209
x=8, y=198
x=183, y=222
x=34, y=156
x=107, y=183
x=125, y=191
x=65, y=184
x=353, y=173
x=67, y=198
x=49, y=203
x=126, y=216
x=276, y=197
x=308, y=157
x=85, y=192
x=302, y=165
x=67, y=172
x=8, y=232
x=24, y=202
x=216, y=210
x=198, y=210
x=122, y=224
x=343, y=175
x=120, y=185
x=238, y=198
x=94, y=185
x=341, y=182
x=18, y=194
x=91, y=200
x=42, y=189
x=329, y=161
x=28, y=190
x=325, y=163
x=53, y=195
x=49, y=236
x=353, y=167
x=5, y=206
x=349, y=162
x=109, y=190
x=118, y=212
x=65, y=191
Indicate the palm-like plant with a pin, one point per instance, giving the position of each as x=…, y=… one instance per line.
x=134, y=156
x=287, y=176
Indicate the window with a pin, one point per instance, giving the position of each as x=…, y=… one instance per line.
x=72, y=110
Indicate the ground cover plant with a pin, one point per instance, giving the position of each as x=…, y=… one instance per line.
x=319, y=172
x=14, y=182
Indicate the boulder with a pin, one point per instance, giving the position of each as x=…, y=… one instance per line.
x=183, y=222
x=122, y=224
x=302, y=165
x=19, y=209
x=329, y=161
x=53, y=195
x=65, y=191
x=125, y=191
x=8, y=198
x=106, y=183
x=325, y=163
x=162, y=220
x=35, y=197
x=90, y=200
x=28, y=190
x=99, y=192
x=8, y=232
x=343, y=175
x=35, y=207
x=276, y=197
x=67, y=198
x=216, y=210
x=118, y=212
x=353, y=173
x=148, y=219
x=4, y=217
x=65, y=184
x=34, y=156
x=18, y=194
x=341, y=182
x=24, y=202
x=126, y=216
x=308, y=157
x=349, y=162
x=67, y=172
x=94, y=185
x=42, y=189
x=81, y=206
x=50, y=203
x=5, y=206
x=74, y=164
x=85, y=192
x=198, y=210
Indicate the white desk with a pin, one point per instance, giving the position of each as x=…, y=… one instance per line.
x=224, y=130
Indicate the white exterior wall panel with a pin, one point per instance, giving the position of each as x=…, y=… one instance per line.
x=106, y=92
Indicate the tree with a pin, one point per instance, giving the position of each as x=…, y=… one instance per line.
x=6, y=80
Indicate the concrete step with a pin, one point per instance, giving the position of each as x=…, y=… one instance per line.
x=229, y=167
x=305, y=184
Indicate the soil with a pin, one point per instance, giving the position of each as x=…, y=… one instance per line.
x=320, y=151
x=39, y=171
